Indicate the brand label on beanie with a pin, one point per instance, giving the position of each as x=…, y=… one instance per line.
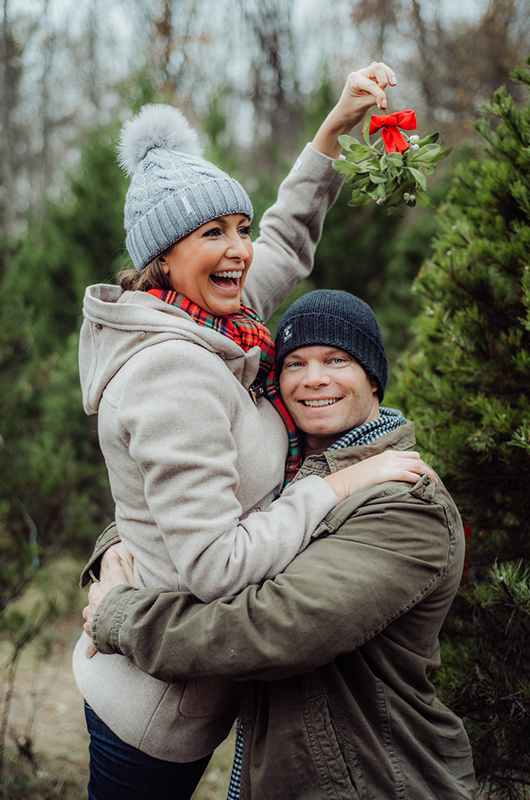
x=186, y=204
x=288, y=332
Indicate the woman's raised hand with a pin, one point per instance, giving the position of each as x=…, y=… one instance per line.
x=392, y=465
x=364, y=88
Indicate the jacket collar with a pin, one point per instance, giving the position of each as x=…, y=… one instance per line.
x=329, y=461
x=402, y=438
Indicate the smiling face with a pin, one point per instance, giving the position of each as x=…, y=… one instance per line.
x=327, y=393
x=210, y=264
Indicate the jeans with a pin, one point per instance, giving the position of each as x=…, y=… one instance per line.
x=119, y=771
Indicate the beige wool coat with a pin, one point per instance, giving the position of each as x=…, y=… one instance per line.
x=194, y=464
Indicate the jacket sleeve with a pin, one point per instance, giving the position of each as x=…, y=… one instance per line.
x=335, y=596
x=109, y=537
x=183, y=445
x=290, y=231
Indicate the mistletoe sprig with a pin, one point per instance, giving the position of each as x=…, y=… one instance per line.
x=394, y=169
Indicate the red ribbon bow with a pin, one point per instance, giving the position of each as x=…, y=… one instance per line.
x=394, y=140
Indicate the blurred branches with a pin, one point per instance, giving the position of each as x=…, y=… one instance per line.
x=65, y=66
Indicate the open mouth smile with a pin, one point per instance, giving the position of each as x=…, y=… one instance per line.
x=227, y=280
x=320, y=403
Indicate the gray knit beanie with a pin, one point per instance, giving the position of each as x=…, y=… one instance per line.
x=337, y=319
x=173, y=189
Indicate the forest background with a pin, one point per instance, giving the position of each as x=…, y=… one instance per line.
x=256, y=78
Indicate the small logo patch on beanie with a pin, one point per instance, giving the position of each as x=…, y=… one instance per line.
x=288, y=332
x=186, y=204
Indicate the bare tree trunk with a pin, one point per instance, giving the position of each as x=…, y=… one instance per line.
x=10, y=75
x=383, y=14
x=275, y=90
x=427, y=57
x=45, y=176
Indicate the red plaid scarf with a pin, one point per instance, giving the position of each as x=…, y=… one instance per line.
x=246, y=329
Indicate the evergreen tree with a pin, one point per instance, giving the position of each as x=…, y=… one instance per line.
x=79, y=240
x=53, y=464
x=54, y=489
x=466, y=384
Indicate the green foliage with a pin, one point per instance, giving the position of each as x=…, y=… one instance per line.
x=466, y=384
x=485, y=675
x=391, y=179
x=364, y=252
x=468, y=380
x=54, y=488
x=319, y=105
x=54, y=492
x=21, y=782
x=78, y=241
x=17, y=548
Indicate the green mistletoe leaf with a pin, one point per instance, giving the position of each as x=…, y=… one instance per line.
x=426, y=152
x=430, y=139
x=428, y=168
x=423, y=199
x=359, y=199
x=396, y=159
x=366, y=130
x=345, y=167
x=377, y=177
x=390, y=179
x=420, y=178
x=441, y=156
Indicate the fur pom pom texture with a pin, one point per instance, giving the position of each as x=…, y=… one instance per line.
x=156, y=126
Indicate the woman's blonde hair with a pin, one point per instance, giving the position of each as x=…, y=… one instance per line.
x=151, y=277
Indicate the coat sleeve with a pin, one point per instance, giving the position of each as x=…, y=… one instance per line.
x=290, y=231
x=105, y=540
x=183, y=445
x=335, y=596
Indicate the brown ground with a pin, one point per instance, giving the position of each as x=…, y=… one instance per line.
x=48, y=708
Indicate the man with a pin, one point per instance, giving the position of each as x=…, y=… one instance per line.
x=334, y=652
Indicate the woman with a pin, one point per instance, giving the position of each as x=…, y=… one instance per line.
x=175, y=366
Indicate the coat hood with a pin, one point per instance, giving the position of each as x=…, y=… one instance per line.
x=119, y=324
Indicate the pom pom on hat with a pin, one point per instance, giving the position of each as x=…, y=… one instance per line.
x=173, y=189
x=156, y=126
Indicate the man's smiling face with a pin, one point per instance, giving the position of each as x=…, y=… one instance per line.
x=327, y=393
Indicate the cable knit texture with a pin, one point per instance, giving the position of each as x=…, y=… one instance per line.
x=173, y=189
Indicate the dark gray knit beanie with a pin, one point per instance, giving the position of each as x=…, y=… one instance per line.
x=338, y=319
x=173, y=189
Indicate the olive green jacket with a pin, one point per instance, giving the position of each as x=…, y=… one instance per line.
x=334, y=653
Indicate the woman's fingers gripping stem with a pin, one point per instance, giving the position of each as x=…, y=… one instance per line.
x=372, y=81
x=363, y=88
